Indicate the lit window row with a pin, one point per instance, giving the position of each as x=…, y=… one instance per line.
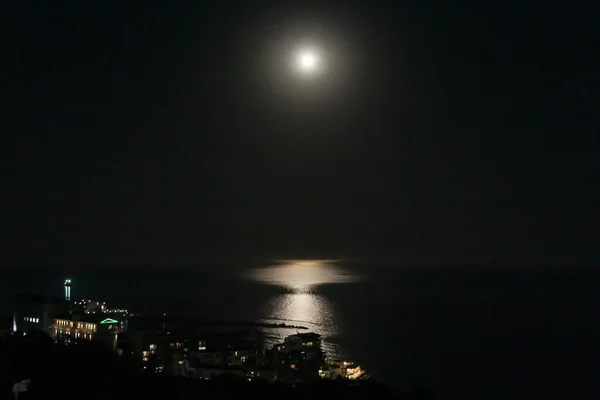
x=31, y=319
x=83, y=335
x=85, y=325
x=68, y=332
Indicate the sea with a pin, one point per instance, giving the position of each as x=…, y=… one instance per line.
x=457, y=331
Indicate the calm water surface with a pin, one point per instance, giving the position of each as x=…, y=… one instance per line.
x=301, y=303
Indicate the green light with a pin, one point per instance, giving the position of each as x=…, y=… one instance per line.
x=109, y=321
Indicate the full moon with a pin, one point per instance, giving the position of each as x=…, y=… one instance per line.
x=308, y=61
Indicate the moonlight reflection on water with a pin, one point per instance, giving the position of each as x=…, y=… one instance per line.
x=302, y=303
x=302, y=309
x=302, y=276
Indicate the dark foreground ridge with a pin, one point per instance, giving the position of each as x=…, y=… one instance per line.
x=95, y=372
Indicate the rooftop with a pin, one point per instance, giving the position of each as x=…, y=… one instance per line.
x=308, y=335
x=96, y=319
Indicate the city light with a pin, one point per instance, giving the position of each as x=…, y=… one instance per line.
x=68, y=289
x=292, y=353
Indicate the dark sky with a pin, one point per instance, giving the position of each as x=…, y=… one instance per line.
x=147, y=133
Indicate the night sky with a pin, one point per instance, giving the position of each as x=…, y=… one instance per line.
x=149, y=133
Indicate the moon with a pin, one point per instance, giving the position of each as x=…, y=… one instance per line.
x=307, y=61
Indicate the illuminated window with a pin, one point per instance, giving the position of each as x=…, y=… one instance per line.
x=243, y=359
x=293, y=366
x=180, y=362
x=236, y=353
x=152, y=347
x=145, y=359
